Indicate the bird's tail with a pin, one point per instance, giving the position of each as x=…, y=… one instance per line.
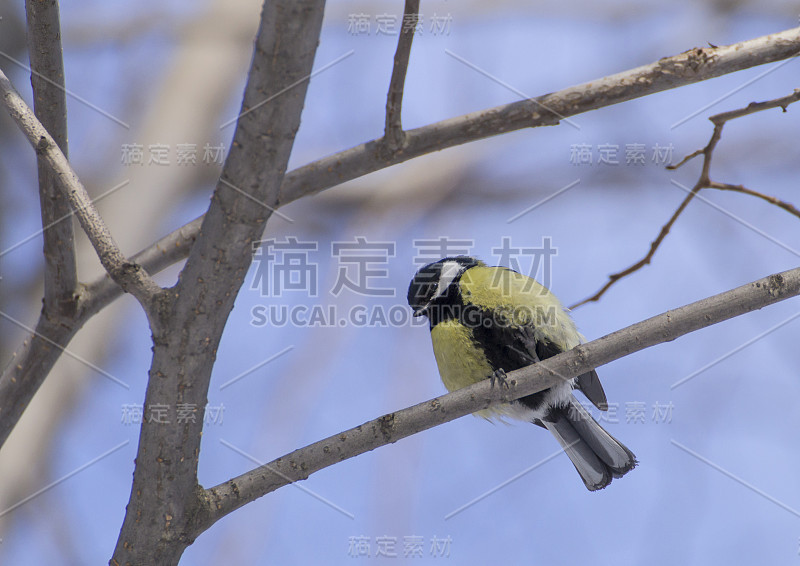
x=598, y=456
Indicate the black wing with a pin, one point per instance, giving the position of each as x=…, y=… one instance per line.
x=509, y=347
x=590, y=385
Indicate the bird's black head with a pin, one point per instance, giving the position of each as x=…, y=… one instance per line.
x=437, y=283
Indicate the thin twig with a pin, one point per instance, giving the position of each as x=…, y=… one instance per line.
x=787, y=206
x=754, y=107
x=300, y=464
x=50, y=105
x=131, y=277
x=393, y=133
x=707, y=153
x=704, y=182
x=654, y=245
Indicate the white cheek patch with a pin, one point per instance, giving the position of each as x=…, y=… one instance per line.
x=450, y=270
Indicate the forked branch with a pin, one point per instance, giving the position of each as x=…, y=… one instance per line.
x=393, y=133
x=704, y=182
x=50, y=105
x=128, y=275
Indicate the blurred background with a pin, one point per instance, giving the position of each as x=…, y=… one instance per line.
x=717, y=480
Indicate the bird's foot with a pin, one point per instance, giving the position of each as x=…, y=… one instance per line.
x=500, y=377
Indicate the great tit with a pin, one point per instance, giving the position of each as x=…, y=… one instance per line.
x=485, y=321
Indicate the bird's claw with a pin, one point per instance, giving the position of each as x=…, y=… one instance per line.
x=499, y=376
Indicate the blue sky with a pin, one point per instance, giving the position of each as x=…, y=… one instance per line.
x=717, y=475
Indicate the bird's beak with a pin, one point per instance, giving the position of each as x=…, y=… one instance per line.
x=422, y=311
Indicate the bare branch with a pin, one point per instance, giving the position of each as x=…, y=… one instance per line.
x=642, y=81
x=393, y=133
x=782, y=103
x=704, y=182
x=33, y=361
x=300, y=464
x=168, y=250
x=28, y=368
x=37, y=355
x=131, y=277
x=654, y=245
x=50, y=104
x=194, y=312
x=686, y=68
x=787, y=206
x=707, y=153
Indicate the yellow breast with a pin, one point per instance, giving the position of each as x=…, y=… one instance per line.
x=460, y=362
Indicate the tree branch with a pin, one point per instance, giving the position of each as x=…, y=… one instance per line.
x=33, y=361
x=50, y=104
x=654, y=245
x=670, y=72
x=194, y=312
x=167, y=251
x=782, y=103
x=393, y=132
x=37, y=355
x=131, y=277
x=28, y=368
x=300, y=464
x=787, y=206
x=704, y=182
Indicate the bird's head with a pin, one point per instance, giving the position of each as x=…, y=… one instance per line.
x=437, y=283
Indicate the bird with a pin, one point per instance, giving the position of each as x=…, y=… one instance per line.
x=485, y=321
